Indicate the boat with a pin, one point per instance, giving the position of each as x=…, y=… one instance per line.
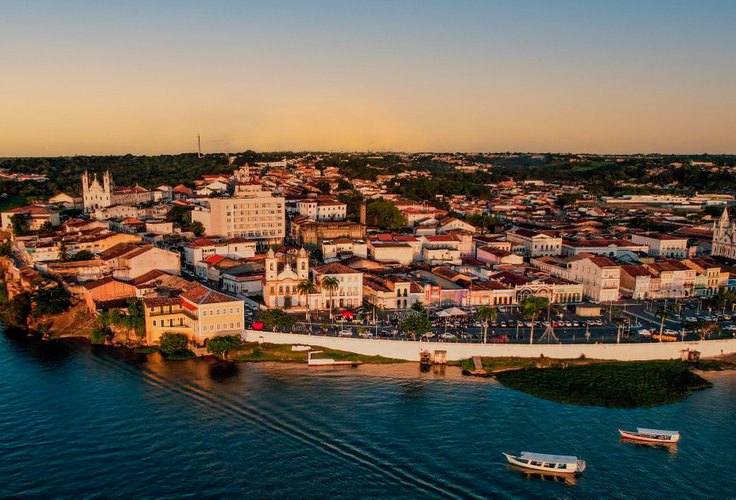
x=556, y=464
x=651, y=435
x=328, y=361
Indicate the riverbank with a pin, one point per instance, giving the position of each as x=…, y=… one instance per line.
x=258, y=352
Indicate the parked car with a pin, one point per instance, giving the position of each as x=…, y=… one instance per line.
x=644, y=332
x=345, y=333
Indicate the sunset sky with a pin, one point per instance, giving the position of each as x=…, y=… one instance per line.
x=144, y=77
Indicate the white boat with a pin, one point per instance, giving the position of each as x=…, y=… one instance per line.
x=557, y=464
x=651, y=435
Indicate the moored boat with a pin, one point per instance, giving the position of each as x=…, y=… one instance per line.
x=651, y=435
x=557, y=464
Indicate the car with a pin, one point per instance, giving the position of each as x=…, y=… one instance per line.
x=503, y=324
x=644, y=332
x=568, y=323
x=730, y=328
x=691, y=319
x=345, y=333
x=669, y=331
x=576, y=323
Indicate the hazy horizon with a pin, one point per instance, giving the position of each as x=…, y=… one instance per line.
x=144, y=77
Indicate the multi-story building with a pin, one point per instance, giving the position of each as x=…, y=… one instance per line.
x=534, y=243
x=343, y=247
x=600, y=277
x=636, y=282
x=662, y=245
x=671, y=279
x=322, y=208
x=391, y=292
x=251, y=213
x=605, y=247
x=199, y=313
x=127, y=261
x=709, y=278
x=203, y=248
x=349, y=293
x=34, y=216
x=306, y=231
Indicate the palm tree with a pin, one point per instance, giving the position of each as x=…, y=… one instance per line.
x=662, y=314
x=532, y=307
x=486, y=315
x=306, y=288
x=330, y=283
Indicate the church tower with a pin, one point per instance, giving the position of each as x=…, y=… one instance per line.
x=272, y=266
x=724, y=237
x=302, y=264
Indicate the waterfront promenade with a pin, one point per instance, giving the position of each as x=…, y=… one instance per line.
x=409, y=350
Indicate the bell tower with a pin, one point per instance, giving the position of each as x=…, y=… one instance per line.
x=302, y=264
x=271, y=263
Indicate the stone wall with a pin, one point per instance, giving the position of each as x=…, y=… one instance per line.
x=409, y=350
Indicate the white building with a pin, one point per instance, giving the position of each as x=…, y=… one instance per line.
x=662, y=245
x=724, y=237
x=600, y=277
x=533, y=243
x=252, y=213
x=202, y=248
x=321, y=209
x=340, y=248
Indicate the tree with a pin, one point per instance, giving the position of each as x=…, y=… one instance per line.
x=173, y=344
x=16, y=312
x=220, y=345
x=706, y=328
x=197, y=228
x=50, y=300
x=63, y=252
x=6, y=248
x=486, y=315
x=415, y=324
x=19, y=222
x=99, y=334
x=330, y=283
x=418, y=306
x=531, y=307
x=275, y=319
x=306, y=288
x=384, y=214
x=83, y=255
x=323, y=186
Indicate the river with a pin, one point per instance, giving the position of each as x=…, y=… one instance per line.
x=79, y=421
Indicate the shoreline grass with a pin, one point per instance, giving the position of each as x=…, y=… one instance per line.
x=254, y=352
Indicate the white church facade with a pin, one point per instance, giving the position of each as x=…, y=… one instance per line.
x=96, y=194
x=724, y=237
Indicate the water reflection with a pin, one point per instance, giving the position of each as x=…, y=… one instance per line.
x=51, y=354
x=568, y=479
x=223, y=370
x=669, y=447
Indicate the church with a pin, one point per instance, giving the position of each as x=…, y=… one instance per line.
x=106, y=194
x=724, y=237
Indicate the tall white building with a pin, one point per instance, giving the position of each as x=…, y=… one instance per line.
x=250, y=213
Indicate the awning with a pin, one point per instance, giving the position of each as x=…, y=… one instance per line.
x=452, y=311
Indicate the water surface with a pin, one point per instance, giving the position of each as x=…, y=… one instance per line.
x=78, y=421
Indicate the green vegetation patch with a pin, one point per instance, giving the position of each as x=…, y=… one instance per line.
x=615, y=385
x=252, y=351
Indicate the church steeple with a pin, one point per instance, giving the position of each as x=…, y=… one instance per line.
x=724, y=220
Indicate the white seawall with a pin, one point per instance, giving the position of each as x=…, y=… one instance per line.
x=408, y=350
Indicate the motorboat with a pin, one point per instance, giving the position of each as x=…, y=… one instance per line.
x=556, y=464
x=657, y=436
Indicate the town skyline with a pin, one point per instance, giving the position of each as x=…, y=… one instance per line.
x=145, y=78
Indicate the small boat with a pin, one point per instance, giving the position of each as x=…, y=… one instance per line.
x=556, y=464
x=651, y=435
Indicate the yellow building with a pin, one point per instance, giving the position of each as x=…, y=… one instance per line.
x=199, y=312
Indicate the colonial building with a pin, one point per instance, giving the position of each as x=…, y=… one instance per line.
x=724, y=237
x=97, y=195
x=282, y=274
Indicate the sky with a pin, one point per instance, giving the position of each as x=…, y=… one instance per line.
x=145, y=77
